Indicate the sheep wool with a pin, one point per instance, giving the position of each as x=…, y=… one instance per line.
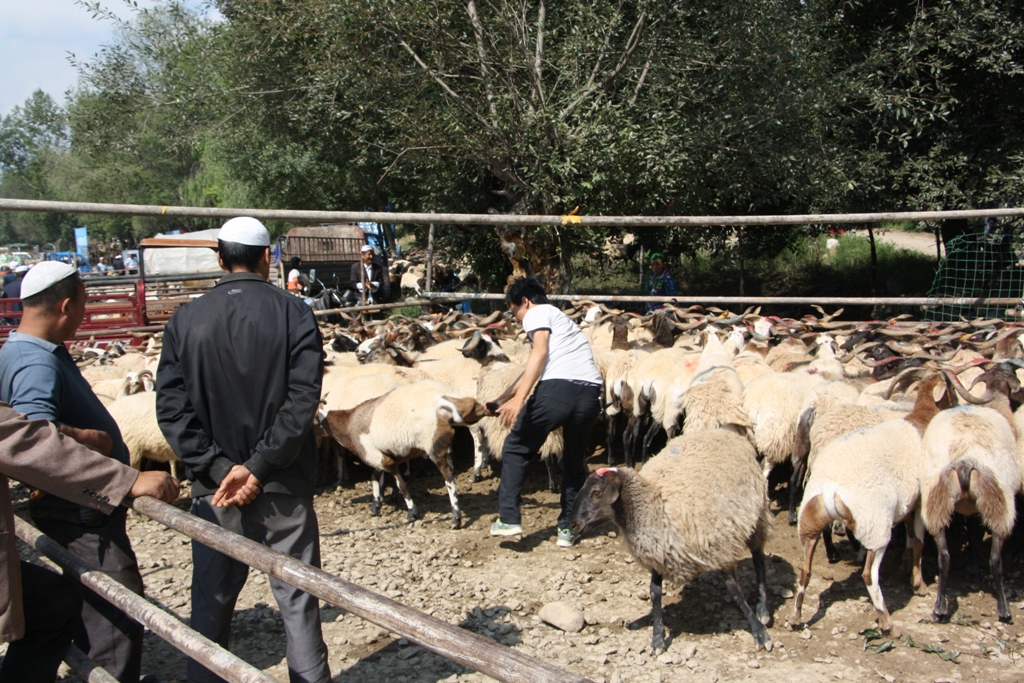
x=699, y=505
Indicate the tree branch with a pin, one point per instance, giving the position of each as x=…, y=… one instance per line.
x=627, y=54
x=444, y=86
x=478, y=31
x=539, y=53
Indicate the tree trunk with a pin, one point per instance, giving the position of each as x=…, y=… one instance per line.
x=874, y=259
x=535, y=252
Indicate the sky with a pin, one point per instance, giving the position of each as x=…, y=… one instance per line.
x=36, y=37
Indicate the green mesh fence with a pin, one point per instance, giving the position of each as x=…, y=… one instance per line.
x=978, y=266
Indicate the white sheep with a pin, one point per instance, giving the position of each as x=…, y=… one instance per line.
x=699, y=505
x=773, y=403
x=868, y=479
x=410, y=421
x=136, y=418
x=498, y=378
x=971, y=465
x=339, y=392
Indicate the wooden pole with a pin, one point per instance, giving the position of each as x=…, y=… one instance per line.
x=874, y=260
x=459, y=645
x=485, y=219
x=89, y=670
x=210, y=654
x=430, y=258
x=764, y=300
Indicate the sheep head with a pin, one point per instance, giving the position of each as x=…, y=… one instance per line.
x=596, y=500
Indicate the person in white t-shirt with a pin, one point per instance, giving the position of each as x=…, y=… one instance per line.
x=568, y=393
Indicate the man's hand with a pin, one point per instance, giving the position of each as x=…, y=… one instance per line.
x=509, y=412
x=159, y=485
x=95, y=439
x=239, y=487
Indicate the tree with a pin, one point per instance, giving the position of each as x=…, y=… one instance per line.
x=31, y=136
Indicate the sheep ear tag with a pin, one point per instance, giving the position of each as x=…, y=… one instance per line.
x=605, y=470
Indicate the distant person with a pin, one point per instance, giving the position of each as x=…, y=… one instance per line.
x=296, y=281
x=7, y=274
x=659, y=282
x=131, y=265
x=101, y=267
x=372, y=272
x=12, y=290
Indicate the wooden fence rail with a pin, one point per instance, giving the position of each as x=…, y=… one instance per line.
x=454, y=643
x=90, y=671
x=213, y=656
x=496, y=219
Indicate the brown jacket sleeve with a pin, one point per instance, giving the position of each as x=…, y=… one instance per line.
x=35, y=453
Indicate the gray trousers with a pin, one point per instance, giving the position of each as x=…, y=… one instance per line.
x=110, y=637
x=284, y=523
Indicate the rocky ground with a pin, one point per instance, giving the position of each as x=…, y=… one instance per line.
x=496, y=587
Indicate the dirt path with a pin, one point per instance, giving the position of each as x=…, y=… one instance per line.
x=495, y=587
x=923, y=242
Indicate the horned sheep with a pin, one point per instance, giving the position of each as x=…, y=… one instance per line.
x=868, y=479
x=407, y=422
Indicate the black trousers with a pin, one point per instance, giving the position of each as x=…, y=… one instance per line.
x=52, y=608
x=110, y=637
x=555, y=403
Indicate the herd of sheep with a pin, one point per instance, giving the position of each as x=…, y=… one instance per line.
x=884, y=422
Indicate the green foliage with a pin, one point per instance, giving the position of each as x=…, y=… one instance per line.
x=806, y=268
x=647, y=107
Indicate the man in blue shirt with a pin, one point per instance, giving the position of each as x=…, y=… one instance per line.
x=39, y=378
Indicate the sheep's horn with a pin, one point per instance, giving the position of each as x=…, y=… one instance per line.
x=473, y=342
x=492, y=318
x=901, y=380
x=954, y=382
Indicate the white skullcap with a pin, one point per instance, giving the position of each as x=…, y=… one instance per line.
x=21, y=269
x=245, y=230
x=44, y=275
x=366, y=247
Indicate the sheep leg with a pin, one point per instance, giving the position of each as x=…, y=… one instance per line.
x=611, y=425
x=996, y=563
x=796, y=489
x=764, y=614
x=413, y=513
x=761, y=638
x=658, y=636
x=378, y=484
x=648, y=438
x=914, y=551
x=813, y=520
x=941, y=609
x=871, y=566
x=479, y=453
x=629, y=442
x=830, y=547
x=552, y=472
x=447, y=469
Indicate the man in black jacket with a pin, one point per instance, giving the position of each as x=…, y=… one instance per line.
x=371, y=272
x=238, y=386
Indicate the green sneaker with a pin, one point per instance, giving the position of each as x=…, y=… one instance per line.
x=499, y=528
x=566, y=538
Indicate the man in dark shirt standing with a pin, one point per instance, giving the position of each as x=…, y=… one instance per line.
x=12, y=289
x=39, y=378
x=238, y=386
